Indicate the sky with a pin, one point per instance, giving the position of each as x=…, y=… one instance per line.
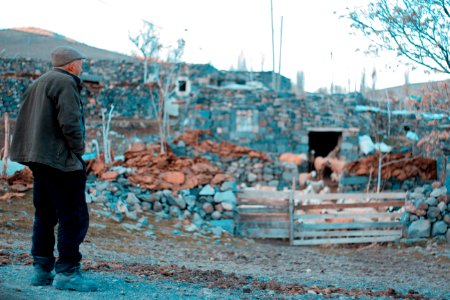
x=218, y=31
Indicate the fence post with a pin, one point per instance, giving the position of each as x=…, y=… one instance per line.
x=291, y=213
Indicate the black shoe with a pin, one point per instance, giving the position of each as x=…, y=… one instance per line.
x=42, y=276
x=74, y=281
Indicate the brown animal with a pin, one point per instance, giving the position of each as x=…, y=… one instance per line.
x=304, y=177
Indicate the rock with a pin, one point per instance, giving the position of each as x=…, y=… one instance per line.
x=229, y=186
x=146, y=198
x=175, y=211
x=197, y=220
x=420, y=204
x=207, y=190
x=439, y=228
x=118, y=217
x=227, y=196
x=273, y=183
x=101, y=199
x=142, y=222
x=216, y=215
x=218, y=207
x=419, y=229
x=146, y=206
x=251, y=177
x=216, y=231
x=90, y=198
x=442, y=207
x=173, y=177
x=413, y=218
x=157, y=206
x=443, y=198
x=447, y=219
x=190, y=227
x=180, y=202
x=419, y=190
x=130, y=226
x=448, y=236
x=439, y=192
x=132, y=199
x=109, y=176
x=228, y=206
x=267, y=177
x=431, y=201
x=417, y=196
x=227, y=225
x=170, y=199
x=207, y=207
x=190, y=200
x=101, y=185
x=433, y=213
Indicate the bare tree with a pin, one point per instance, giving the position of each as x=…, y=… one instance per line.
x=242, y=64
x=416, y=29
x=162, y=82
x=147, y=42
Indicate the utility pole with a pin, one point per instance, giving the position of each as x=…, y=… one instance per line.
x=273, y=46
x=279, y=60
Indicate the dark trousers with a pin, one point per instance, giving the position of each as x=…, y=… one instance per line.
x=58, y=197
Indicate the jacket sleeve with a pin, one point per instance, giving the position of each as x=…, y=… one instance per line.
x=69, y=117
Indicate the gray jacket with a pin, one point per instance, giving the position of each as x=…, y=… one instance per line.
x=50, y=125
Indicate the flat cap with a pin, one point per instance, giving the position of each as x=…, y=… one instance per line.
x=63, y=55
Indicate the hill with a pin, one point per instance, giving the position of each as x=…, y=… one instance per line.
x=35, y=43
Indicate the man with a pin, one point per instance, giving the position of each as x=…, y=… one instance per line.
x=49, y=138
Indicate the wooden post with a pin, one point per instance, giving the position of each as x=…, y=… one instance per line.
x=291, y=213
x=6, y=146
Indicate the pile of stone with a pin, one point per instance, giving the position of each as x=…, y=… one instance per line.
x=205, y=209
x=395, y=165
x=428, y=212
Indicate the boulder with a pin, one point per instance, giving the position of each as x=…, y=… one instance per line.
x=419, y=229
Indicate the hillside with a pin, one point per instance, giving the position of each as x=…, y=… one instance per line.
x=35, y=43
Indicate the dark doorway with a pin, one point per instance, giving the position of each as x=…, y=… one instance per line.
x=322, y=143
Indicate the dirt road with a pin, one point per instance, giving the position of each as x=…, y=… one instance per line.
x=172, y=264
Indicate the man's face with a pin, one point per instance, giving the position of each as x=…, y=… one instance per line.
x=77, y=67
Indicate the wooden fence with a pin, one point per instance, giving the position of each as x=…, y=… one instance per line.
x=311, y=219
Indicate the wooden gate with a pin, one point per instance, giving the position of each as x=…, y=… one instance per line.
x=311, y=219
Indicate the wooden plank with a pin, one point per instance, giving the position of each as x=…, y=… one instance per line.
x=281, y=196
x=353, y=225
x=346, y=214
x=280, y=233
x=348, y=233
x=357, y=240
x=255, y=209
x=354, y=205
x=271, y=202
x=350, y=196
x=257, y=194
x=263, y=224
x=264, y=216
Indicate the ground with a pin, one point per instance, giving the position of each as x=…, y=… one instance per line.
x=129, y=265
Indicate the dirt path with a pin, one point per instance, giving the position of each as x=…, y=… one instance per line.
x=129, y=265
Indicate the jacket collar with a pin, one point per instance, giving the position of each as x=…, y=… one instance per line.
x=76, y=78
